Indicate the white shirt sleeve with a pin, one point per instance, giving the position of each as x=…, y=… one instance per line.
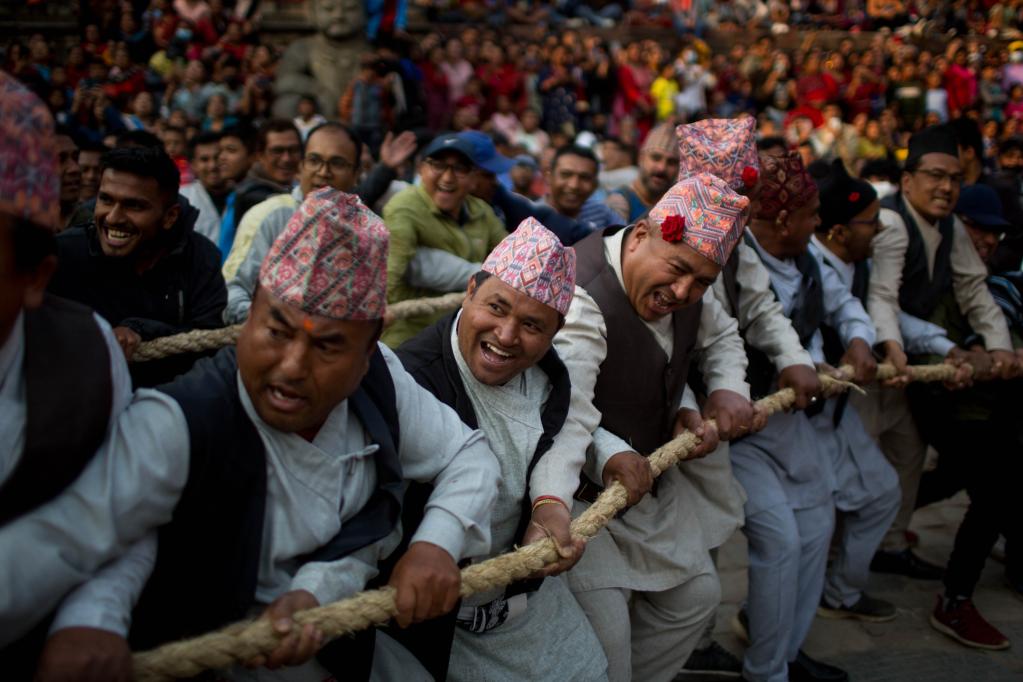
x=106, y=601
x=129, y=488
x=889, y=257
x=439, y=270
x=923, y=337
x=843, y=311
x=762, y=320
x=719, y=351
x=582, y=346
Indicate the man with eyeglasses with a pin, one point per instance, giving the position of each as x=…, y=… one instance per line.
x=441, y=214
x=330, y=160
x=924, y=264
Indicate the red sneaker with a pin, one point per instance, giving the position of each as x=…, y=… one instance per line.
x=962, y=622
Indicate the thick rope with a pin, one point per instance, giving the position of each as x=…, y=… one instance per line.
x=243, y=641
x=201, y=340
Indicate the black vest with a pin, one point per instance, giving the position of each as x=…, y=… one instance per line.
x=834, y=348
x=807, y=317
x=208, y=557
x=920, y=293
x=730, y=279
x=430, y=359
x=68, y=396
x=639, y=388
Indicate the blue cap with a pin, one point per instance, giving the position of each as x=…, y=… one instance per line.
x=449, y=142
x=485, y=154
x=526, y=160
x=980, y=205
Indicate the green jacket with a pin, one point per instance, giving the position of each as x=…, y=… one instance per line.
x=415, y=221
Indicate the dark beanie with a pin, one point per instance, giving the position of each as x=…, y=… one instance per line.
x=940, y=139
x=843, y=197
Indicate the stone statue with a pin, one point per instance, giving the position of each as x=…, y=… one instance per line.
x=322, y=65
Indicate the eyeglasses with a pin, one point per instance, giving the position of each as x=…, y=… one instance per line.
x=337, y=164
x=277, y=152
x=938, y=177
x=460, y=170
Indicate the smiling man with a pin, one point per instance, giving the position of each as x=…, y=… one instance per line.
x=298, y=443
x=140, y=264
x=494, y=363
x=641, y=312
x=923, y=263
x=658, y=168
x=573, y=180
x=440, y=214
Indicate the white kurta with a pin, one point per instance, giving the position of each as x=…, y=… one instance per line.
x=663, y=540
x=551, y=639
x=314, y=487
x=208, y=223
x=50, y=550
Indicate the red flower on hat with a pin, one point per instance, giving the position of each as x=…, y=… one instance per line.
x=673, y=227
x=854, y=197
x=750, y=176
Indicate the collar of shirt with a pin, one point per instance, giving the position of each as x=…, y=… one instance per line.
x=785, y=276
x=11, y=356
x=296, y=193
x=846, y=271
x=919, y=219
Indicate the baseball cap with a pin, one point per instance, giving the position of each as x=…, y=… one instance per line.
x=980, y=205
x=484, y=153
x=449, y=142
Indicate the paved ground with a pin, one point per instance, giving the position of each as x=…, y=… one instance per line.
x=906, y=649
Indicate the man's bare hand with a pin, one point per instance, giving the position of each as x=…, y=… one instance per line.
x=427, y=580
x=964, y=361
x=864, y=365
x=1004, y=364
x=299, y=643
x=804, y=381
x=692, y=421
x=85, y=655
x=895, y=356
x=553, y=520
x=395, y=151
x=128, y=339
x=632, y=470
x=732, y=412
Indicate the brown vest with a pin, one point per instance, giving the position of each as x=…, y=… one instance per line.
x=639, y=389
x=68, y=395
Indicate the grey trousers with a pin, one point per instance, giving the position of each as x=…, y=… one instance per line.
x=647, y=636
x=788, y=552
x=885, y=414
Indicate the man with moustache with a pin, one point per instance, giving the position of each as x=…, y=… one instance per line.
x=330, y=159
x=658, y=166
x=209, y=191
x=298, y=443
x=640, y=314
x=70, y=178
x=494, y=363
x=923, y=262
x=440, y=214
x=140, y=264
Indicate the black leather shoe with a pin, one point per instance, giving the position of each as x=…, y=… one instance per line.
x=806, y=669
x=714, y=660
x=905, y=563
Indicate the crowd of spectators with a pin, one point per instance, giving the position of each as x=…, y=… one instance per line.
x=185, y=68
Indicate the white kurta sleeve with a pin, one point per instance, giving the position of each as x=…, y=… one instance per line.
x=969, y=275
x=719, y=350
x=843, y=311
x=129, y=488
x=439, y=270
x=582, y=346
x=761, y=318
x=331, y=581
x=923, y=337
x=437, y=447
x=889, y=257
x=106, y=601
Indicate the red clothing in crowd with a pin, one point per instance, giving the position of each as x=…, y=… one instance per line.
x=961, y=84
